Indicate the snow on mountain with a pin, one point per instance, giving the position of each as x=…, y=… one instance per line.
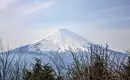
x=60, y=40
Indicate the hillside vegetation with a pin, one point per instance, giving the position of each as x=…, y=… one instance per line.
x=97, y=66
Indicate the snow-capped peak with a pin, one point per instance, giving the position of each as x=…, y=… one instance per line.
x=60, y=40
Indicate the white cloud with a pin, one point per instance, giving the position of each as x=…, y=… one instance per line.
x=13, y=28
x=5, y=3
x=35, y=6
x=25, y=7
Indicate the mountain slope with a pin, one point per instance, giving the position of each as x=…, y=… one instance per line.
x=60, y=40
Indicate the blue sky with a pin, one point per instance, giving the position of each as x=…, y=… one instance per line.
x=102, y=13
x=100, y=21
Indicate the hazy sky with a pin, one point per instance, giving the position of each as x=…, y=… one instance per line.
x=100, y=21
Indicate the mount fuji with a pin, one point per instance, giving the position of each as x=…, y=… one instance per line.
x=59, y=41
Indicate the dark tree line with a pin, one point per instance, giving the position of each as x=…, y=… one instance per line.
x=96, y=64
